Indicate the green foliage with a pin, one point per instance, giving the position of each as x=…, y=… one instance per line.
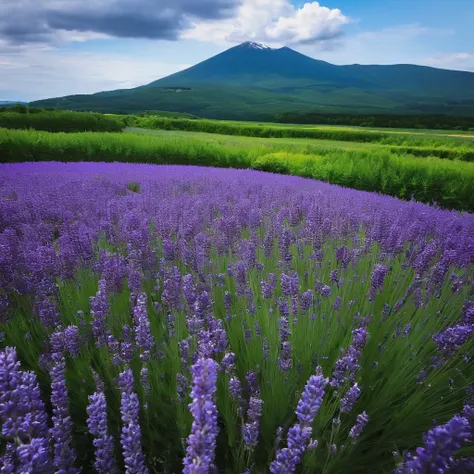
x=134, y=187
x=448, y=183
x=402, y=143
x=58, y=121
x=434, y=122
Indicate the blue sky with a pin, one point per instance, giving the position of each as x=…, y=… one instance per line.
x=51, y=48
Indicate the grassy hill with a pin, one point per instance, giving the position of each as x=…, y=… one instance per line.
x=248, y=82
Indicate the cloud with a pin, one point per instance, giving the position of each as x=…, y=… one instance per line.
x=460, y=61
x=38, y=72
x=276, y=22
x=27, y=21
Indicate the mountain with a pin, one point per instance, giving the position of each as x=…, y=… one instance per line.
x=253, y=81
x=7, y=103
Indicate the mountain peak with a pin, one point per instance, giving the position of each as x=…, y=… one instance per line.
x=254, y=45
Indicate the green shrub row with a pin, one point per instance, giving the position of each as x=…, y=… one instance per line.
x=57, y=121
x=419, y=146
x=448, y=183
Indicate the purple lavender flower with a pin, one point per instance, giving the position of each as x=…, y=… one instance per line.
x=252, y=382
x=235, y=389
x=334, y=276
x=181, y=386
x=23, y=416
x=131, y=432
x=359, y=426
x=350, y=398
x=450, y=340
x=267, y=289
x=251, y=428
x=289, y=285
x=325, y=291
x=337, y=303
x=227, y=300
x=239, y=270
x=440, y=444
x=134, y=280
x=348, y=364
x=468, y=313
x=64, y=453
x=306, y=300
x=99, y=310
x=189, y=290
x=184, y=348
x=285, y=361
x=377, y=279
x=300, y=434
x=57, y=342
x=284, y=329
x=126, y=346
x=171, y=289
x=103, y=442
x=424, y=259
x=201, y=443
x=143, y=337
x=72, y=340
x=228, y=362
x=47, y=312
x=34, y=457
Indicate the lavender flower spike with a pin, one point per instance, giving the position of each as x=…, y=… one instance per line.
x=251, y=428
x=64, y=453
x=202, y=440
x=23, y=417
x=131, y=432
x=300, y=434
x=361, y=421
x=350, y=398
x=440, y=444
x=143, y=337
x=103, y=442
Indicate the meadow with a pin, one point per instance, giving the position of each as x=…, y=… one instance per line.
x=164, y=319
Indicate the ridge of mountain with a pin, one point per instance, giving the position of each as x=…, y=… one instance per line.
x=254, y=81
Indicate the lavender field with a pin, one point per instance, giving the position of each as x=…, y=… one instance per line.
x=166, y=319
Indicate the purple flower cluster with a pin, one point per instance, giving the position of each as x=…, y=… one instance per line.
x=99, y=310
x=143, y=337
x=348, y=364
x=251, y=428
x=299, y=434
x=23, y=418
x=440, y=445
x=201, y=442
x=131, y=431
x=103, y=442
x=61, y=433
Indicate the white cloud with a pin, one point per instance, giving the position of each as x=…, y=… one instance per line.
x=401, y=44
x=37, y=73
x=276, y=22
x=461, y=61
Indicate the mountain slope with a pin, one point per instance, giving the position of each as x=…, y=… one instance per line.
x=251, y=81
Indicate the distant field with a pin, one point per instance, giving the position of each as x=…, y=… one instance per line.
x=415, y=143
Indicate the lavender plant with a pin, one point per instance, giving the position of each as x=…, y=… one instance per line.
x=226, y=290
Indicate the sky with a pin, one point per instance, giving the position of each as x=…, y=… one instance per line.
x=51, y=48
